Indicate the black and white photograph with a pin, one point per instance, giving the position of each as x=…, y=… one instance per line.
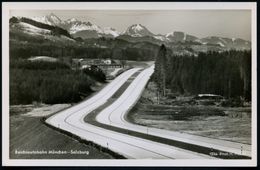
x=129, y=83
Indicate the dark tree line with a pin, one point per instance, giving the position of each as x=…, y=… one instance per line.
x=18, y=50
x=227, y=73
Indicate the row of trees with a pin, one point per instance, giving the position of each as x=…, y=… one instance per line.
x=227, y=73
x=48, y=49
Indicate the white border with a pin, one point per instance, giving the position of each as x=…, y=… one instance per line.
x=7, y=6
x=127, y=5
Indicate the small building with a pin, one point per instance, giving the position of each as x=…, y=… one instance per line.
x=100, y=63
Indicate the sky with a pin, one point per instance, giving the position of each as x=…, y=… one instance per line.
x=200, y=23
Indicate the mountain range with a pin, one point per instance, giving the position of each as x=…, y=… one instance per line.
x=135, y=33
x=78, y=28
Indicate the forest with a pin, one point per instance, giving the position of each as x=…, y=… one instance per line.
x=225, y=73
x=49, y=82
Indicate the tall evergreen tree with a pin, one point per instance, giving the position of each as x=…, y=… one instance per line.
x=160, y=69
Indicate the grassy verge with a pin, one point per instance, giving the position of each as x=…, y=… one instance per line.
x=184, y=115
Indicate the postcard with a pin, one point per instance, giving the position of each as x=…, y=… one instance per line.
x=129, y=84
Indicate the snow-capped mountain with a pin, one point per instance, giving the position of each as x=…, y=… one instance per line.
x=111, y=31
x=180, y=36
x=88, y=30
x=227, y=42
x=50, y=19
x=73, y=26
x=137, y=30
x=160, y=37
x=78, y=28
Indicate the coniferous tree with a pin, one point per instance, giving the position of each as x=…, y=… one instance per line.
x=160, y=69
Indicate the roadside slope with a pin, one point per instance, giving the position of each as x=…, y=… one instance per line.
x=30, y=134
